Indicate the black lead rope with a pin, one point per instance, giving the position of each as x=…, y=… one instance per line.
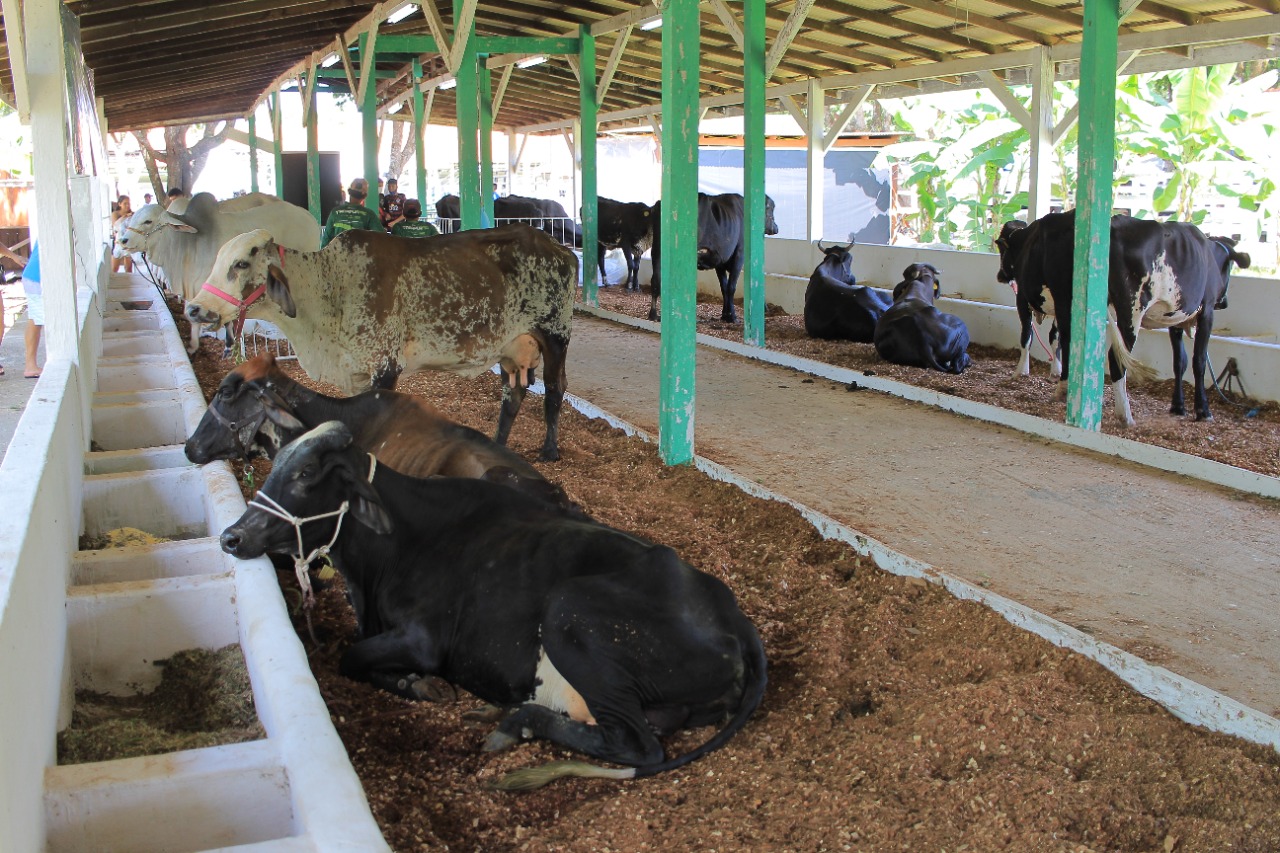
x=1229, y=373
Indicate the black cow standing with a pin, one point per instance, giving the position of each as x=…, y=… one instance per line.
x=625, y=225
x=1163, y=275
x=595, y=639
x=836, y=307
x=720, y=245
x=542, y=213
x=915, y=333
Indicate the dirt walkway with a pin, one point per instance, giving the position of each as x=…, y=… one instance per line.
x=1183, y=574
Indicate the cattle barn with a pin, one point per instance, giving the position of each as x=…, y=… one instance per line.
x=981, y=629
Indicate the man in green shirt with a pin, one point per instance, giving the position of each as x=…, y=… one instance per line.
x=411, y=225
x=351, y=214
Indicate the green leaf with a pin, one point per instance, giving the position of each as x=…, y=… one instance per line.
x=1167, y=196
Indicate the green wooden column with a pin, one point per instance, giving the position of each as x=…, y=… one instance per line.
x=313, y=155
x=680, y=116
x=468, y=112
x=1093, y=213
x=485, y=81
x=369, y=129
x=753, y=49
x=419, y=121
x=586, y=140
x=253, y=153
x=277, y=143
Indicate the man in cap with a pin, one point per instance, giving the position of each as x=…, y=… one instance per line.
x=351, y=214
x=411, y=225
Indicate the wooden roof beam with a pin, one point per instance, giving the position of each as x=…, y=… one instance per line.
x=782, y=41
x=971, y=19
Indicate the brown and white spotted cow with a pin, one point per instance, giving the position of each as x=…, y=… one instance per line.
x=369, y=306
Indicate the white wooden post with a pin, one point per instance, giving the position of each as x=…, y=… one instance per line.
x=1041, y=130
x=816, y=110
x=47, y=80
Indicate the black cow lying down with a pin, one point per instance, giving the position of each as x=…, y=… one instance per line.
x=915, y=333
x=836, y=307
x=259, y=408
x=592, y=638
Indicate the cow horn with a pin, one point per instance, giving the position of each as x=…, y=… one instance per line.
x=821, y=248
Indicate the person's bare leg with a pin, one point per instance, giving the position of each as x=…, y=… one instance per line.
x=32, y=341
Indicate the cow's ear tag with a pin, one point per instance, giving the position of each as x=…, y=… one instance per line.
x=326, y=571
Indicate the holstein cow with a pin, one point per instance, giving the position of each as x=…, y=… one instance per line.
x=836, y=307
x=1163, y=275
x=184, y=244
x=370, y=305
x=625, y=225
x=259, y=408
x=720, y=242
x=1026, y=314
x=915, y=333
x=594, y=639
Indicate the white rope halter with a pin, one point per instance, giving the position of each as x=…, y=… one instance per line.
x=270, y=506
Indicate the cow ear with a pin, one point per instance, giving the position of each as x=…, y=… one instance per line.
x=275, y=407
x=278, y=290
x=367, y=508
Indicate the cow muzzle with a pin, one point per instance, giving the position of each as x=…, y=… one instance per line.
x=196, y=314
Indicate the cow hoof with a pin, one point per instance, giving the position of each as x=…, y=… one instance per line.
x=433, y=688
x=549, y=456
x=498, y=740
x=1204, y=417
x=485, y=714
x=1179, y=410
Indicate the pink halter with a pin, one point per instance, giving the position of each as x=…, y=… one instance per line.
x=243, y=305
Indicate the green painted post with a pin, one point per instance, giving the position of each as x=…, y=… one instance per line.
x=586, y=139
x=253, y=153
x=468, y=112
x=753, y=37
x=369, y=131
x=680, y=116
x=419, y=120
x=1093, y=213
x=485, y=80
x=313, y=157
x=277, y=143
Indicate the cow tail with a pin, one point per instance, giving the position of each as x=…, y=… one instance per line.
x=529, y=778
x=1139, y=370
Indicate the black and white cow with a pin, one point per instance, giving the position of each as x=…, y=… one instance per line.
x=1026, y=314
x=593, y=638
x=720, y=245
x=915, y=333
x=625, y=225
x=1163, y=275
x=836, y=307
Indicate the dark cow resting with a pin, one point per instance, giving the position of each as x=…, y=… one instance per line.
x=258, y=407
x=1163, y=275
x=627, y=226
x=914, y=332
x=720, y=245
x=593, y=638
x=836, y=307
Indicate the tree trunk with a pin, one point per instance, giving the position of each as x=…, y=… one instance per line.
x=403, y=146
x=183, y=163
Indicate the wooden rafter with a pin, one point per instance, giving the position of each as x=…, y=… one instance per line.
x=790, y=28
